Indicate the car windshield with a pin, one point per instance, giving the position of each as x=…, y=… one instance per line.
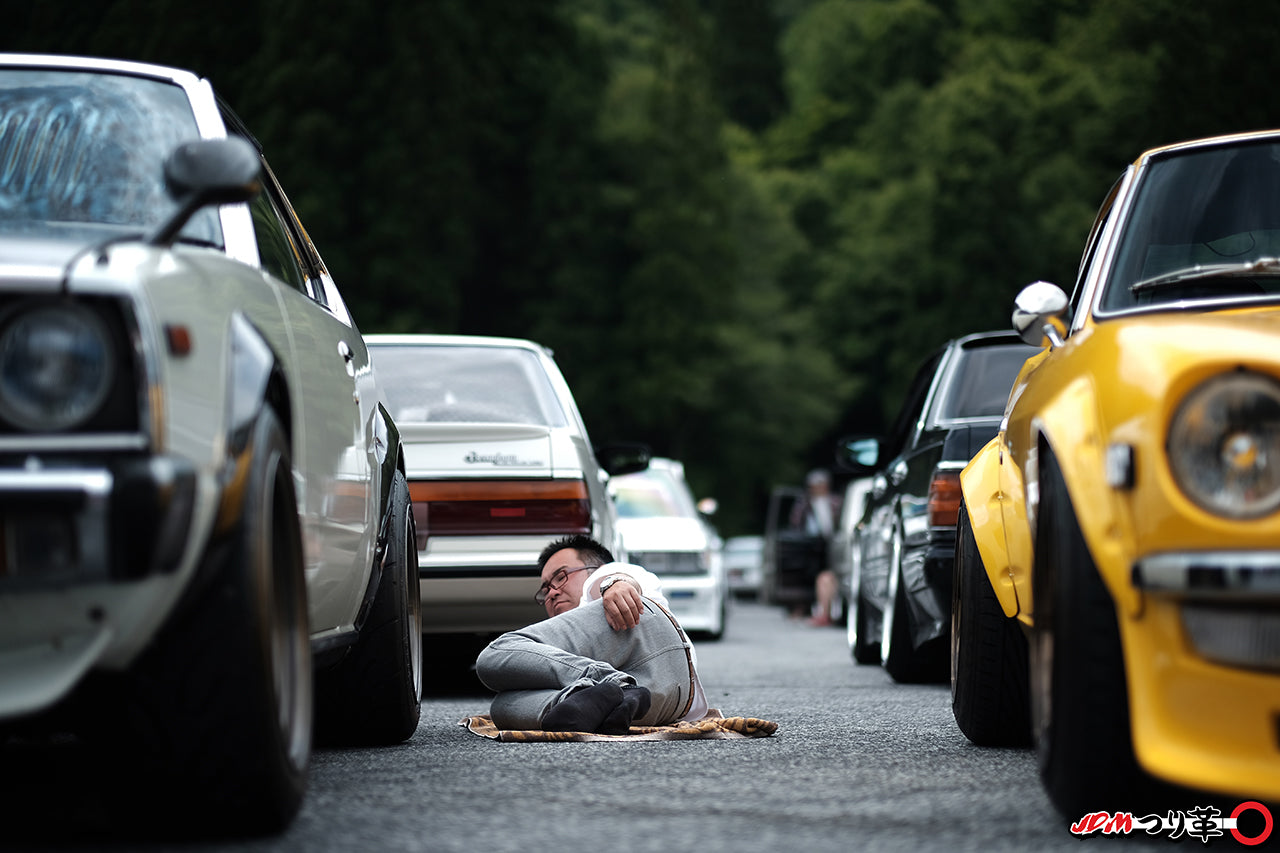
x=1205, y=225
x=980, y=383
x=82, y=154
x=651, y=494
x=466, y=384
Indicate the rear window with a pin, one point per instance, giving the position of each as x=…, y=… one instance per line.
x=466, y=384
x=980, y=383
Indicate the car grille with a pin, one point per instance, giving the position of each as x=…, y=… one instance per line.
x=670, y=562
x=1235, y=635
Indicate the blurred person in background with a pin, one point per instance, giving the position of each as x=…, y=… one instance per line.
x=817, y=514
x=610, y=654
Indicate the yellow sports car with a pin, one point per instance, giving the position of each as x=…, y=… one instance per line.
x=1117, y=576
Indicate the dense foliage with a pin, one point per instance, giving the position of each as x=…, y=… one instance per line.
x=739, y=223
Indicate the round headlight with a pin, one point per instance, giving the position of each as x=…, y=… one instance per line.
x=1224, y=445
x=56, y=367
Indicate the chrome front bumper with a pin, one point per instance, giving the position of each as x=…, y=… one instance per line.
x=120, y=521
x=1229, y=602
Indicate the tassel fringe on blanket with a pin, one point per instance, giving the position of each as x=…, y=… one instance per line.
x=706, y=728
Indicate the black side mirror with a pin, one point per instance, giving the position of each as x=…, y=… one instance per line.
x=623, y=457
x=204, y=172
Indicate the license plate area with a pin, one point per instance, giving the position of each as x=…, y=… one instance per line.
x=53, y=528
x=39, y=545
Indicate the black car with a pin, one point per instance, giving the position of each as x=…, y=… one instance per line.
x=899, y=591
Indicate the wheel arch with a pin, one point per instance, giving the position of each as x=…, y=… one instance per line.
x=255, y=380
x=389, y=453
x=982, y=502
x=1071, y=430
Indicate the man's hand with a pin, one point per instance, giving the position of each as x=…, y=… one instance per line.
x=622, y=605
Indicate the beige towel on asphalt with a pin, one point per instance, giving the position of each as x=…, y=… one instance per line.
x=710, y=727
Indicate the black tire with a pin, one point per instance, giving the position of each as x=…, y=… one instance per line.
x=989, y=695
x=896, y=654
x=905, y=663
x=864, y=646
x=223, y=699
x=1080, y=703
x=862, y=649
x=373, y=696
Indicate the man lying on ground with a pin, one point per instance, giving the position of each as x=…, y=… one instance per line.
x=609, y=656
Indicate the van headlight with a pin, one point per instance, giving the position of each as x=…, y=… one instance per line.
x=1224, y=445
x=56, y=366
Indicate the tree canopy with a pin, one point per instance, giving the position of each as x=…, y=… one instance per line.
x=740, y=225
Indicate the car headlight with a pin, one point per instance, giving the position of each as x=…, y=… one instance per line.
x=56, y=366
x=1224, y=445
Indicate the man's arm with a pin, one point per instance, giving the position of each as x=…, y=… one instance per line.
x=620, y=585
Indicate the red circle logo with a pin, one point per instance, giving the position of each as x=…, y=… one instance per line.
x=1266, y=829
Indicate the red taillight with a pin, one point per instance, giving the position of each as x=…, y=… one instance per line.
x=944, y=498
x=499, y=507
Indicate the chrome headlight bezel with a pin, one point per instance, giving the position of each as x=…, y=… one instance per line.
x=57, y=365
x=1223, y=445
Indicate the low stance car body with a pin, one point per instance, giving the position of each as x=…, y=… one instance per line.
x=205, y=530
x=499, y=464
x=900, y=595
x=1117, y=577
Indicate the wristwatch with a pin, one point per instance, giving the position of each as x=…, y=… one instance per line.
x=610, y=581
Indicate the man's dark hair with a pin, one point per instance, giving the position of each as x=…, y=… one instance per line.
x=588, y=549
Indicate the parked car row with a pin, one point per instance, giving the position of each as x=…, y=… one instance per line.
x=499, y=463
x=1117, y=581
x=900, y=551
x=1076, y=524
x=227, y=519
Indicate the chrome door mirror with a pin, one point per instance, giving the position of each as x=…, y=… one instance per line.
x=1039, y=312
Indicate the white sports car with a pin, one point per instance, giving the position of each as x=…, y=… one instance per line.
x=202, y=499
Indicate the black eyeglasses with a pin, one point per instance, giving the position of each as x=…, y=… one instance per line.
x=557, y=581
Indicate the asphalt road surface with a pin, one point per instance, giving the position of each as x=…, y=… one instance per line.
x=857, y=763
